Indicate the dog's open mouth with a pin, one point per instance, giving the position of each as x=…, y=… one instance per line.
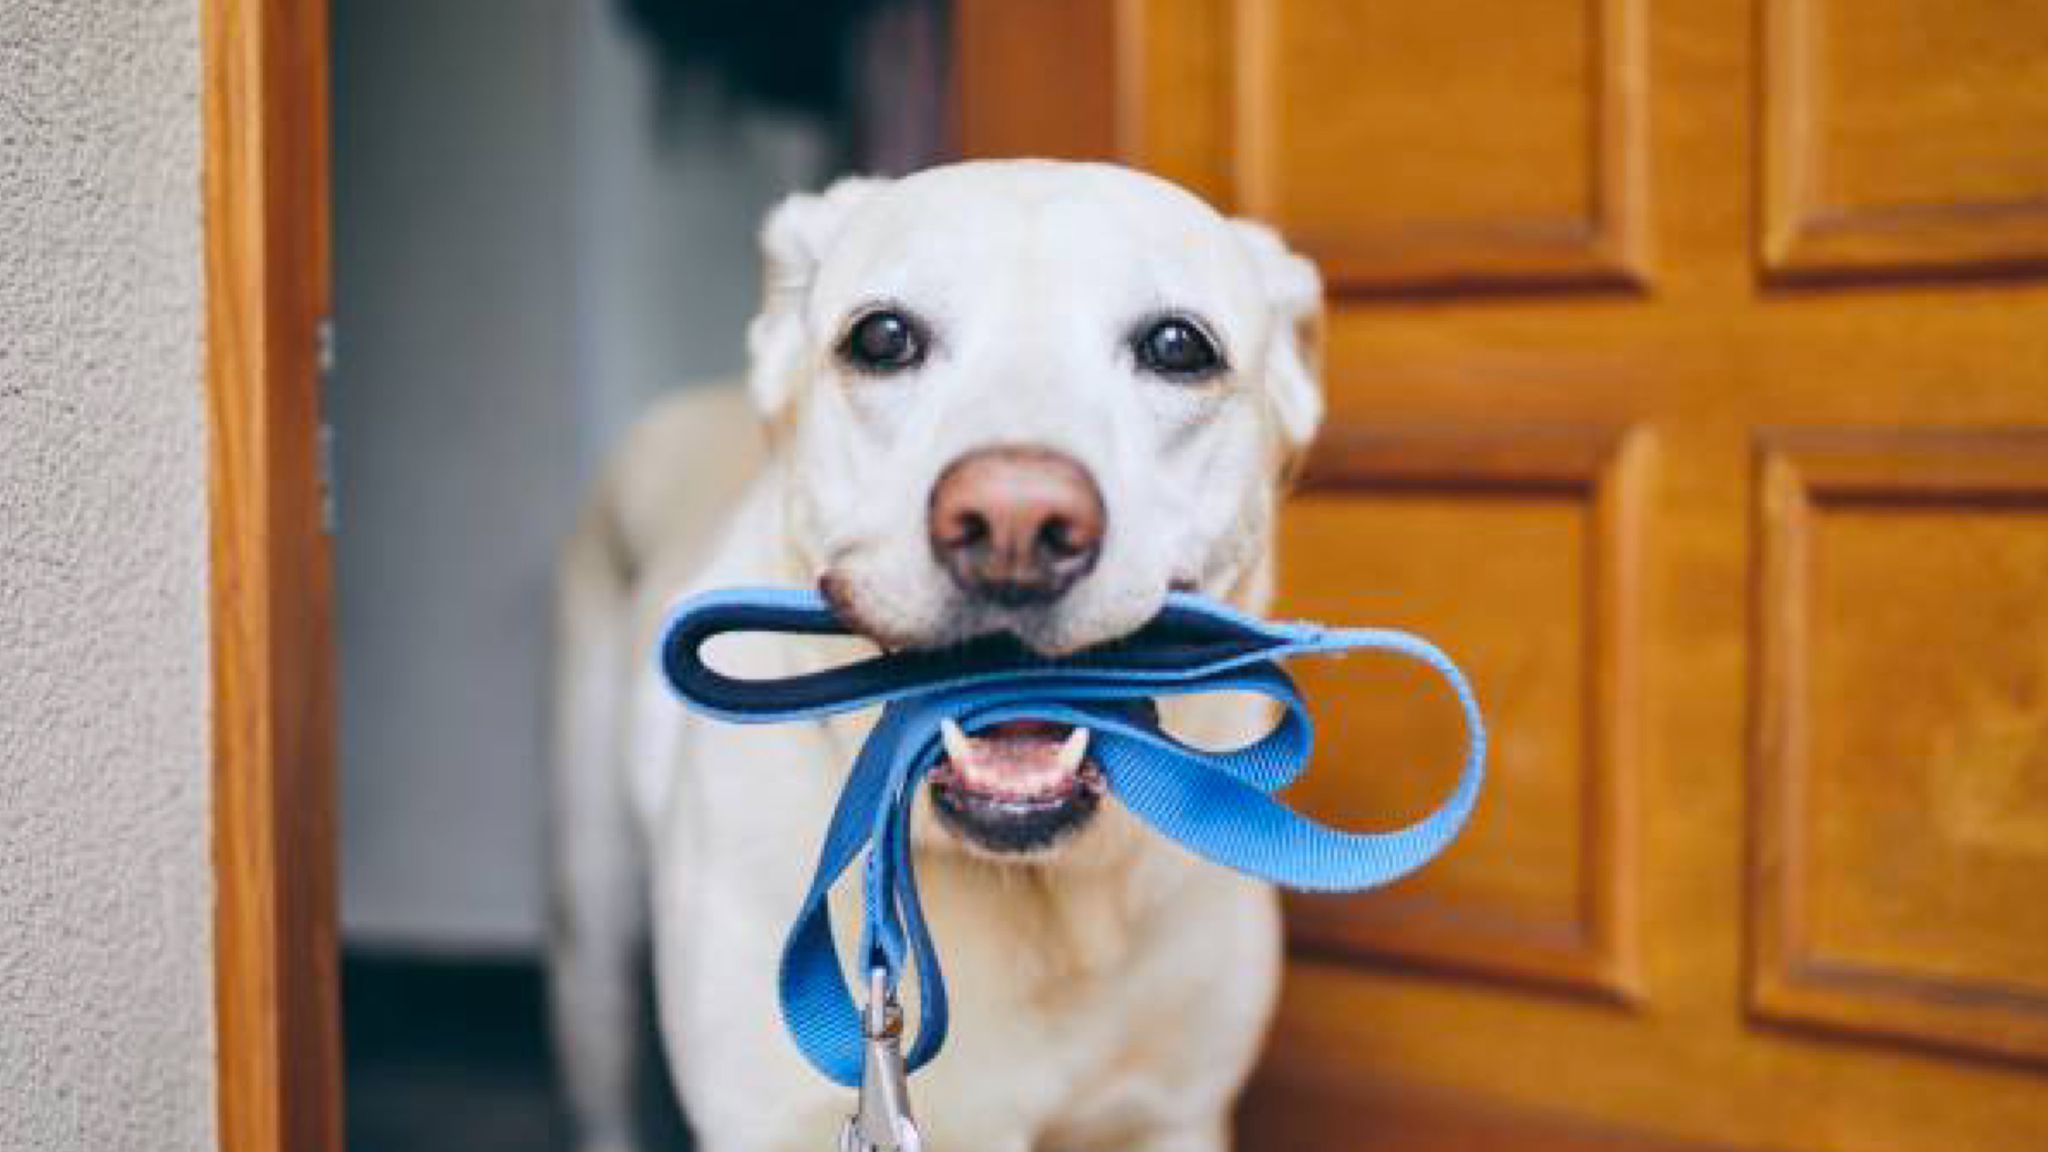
x=1016, y=787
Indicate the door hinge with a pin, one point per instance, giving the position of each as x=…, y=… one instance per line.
x=324, y=364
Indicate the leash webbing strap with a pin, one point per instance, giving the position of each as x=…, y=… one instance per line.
x=1219, y=805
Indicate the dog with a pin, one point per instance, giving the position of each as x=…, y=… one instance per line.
x=1028, y=397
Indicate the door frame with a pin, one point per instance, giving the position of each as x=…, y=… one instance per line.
x=264, y=69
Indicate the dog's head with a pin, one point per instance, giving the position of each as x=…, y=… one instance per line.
x=1028, y=397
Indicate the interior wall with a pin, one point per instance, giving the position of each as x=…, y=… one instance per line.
x=106, y=975
x=452, y=401
x=531, y=243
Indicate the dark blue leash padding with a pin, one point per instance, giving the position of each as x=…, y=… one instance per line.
x=1216, y=804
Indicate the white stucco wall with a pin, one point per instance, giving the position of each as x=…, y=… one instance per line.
x=106, y=1019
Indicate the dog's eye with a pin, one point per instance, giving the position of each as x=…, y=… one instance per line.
x=884, y=342
x=1178, y=350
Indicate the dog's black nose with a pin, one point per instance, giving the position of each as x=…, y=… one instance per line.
x=1016, y=525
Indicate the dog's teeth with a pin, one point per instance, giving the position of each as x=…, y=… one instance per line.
x=1072, y=749
x=958, y=750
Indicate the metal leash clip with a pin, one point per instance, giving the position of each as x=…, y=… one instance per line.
x=882, y=1122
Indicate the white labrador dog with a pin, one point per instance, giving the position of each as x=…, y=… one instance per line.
x=1024, y=396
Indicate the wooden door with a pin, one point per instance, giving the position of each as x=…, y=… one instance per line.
x=276, y=957
x=1689, y=380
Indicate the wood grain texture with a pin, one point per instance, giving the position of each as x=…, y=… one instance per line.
x=1547, y=896
x=1541, y=184
x=266, y=182
x=1900, y=819
x=1889, y=135
x=1711, y=359
x=1299, y=1106
x=1054, y=61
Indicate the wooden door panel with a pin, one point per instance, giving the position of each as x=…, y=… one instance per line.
x=1303, y=1112
x=1904, y=135
x=1903, y=773
x=1546, y=624
x=1746, y=547
x=1534, y=183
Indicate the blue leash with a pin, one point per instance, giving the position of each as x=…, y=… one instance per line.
x=1219, y=805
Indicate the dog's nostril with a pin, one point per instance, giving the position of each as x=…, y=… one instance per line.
x=970, y=529
x=1056, y=536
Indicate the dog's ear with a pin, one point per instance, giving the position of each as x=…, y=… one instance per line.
x=794, y=239
x=1294, y=359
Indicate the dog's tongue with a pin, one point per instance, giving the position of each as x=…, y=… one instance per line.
x=1020, y=758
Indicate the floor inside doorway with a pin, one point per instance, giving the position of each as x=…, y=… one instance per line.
x=451, y=1055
